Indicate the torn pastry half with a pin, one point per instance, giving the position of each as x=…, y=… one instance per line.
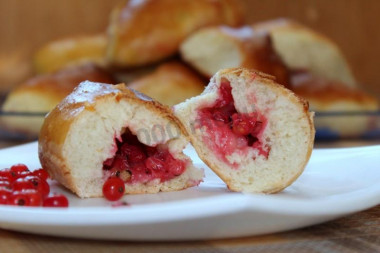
x=256, y=135
x=101, y=131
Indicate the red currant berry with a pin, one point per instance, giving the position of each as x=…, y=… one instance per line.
x=32, y=182
x=120, y=163
x=4, y=178
x=4, y=196
x=40, y=185
x=135, y=154
x=150, y=151
x=220, y=116
x=34, y=198
x=19, y=168
x=161, y=154
x=175, y=167
x=41, y=173
x=5, y=184
x=113, y=189
x=18, y=198
x=125, y=149
x=57, y=200
x=140, y=173
x=22, y=184
x=154, y=164
x=5, y=174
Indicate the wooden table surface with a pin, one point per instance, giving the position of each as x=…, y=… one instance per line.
x=359, y=232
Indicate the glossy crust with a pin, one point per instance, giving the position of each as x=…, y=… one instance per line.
x=41, y=93
x=336, y=98
x=54, y=87
x=146, y=31
x=254, y=50
x=244, y=74
x=59, y=124
x=302, y=48
x=71, y=106
x=325, y=92
x=259, y=54
x=170, y=84
x=78, y=50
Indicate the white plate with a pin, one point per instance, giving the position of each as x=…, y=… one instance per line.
x=335, y=183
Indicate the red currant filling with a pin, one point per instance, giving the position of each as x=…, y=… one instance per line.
x=229, y=131
x=135, y=162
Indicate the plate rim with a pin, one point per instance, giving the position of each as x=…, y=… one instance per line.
x=208, y=206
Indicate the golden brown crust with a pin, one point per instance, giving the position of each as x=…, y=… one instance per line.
x=258, y=53
x=70, y=51
x=170, y=84
x=55, y=165
x=327, y=91
x=58, y=85
x=150, y=30
x=320, y=55
x=83, y=98
x=284, y=24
